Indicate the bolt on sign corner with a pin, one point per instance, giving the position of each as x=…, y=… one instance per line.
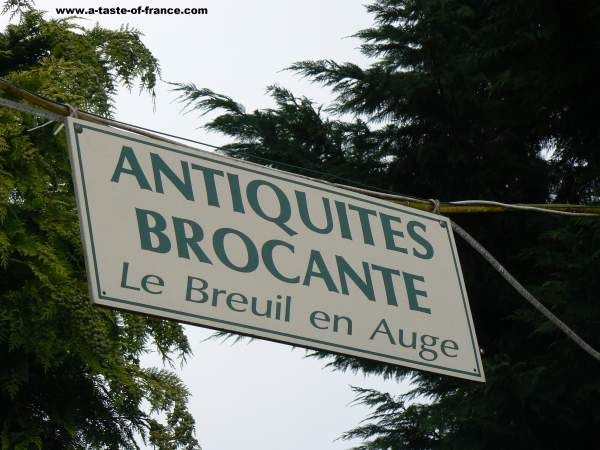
x=214, y=241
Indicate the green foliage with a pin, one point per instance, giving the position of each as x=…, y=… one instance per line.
x=468, y=99
x=70, y=375
x=61, y=60
x=293, y=135
x=16, y=7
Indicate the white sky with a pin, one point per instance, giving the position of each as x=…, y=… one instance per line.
x=257, y=396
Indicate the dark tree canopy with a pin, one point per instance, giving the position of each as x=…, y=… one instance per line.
x=464, y=100
x=70, y=374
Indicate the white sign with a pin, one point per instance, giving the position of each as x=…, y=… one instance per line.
x=218, y=242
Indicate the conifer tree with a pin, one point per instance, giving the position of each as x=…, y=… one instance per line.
x=70, y=373
x=464, y=100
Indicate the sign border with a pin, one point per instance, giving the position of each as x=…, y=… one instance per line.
x=476, y=374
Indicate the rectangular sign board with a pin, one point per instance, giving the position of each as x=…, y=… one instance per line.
x=214, y=241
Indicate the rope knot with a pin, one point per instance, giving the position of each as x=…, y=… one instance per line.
x=73, y=111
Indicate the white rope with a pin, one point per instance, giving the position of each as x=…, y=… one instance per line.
x=30, y=109
x=39, y=126
x=524, y=292
x=58, y=128
x=378, y=194
x=520, y=207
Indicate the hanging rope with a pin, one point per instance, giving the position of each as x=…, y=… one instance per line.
x=45, y=124
x=524, y=292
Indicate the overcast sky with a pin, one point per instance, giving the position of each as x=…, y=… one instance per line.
x=256, y=396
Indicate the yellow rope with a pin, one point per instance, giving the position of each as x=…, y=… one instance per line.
x=424, y=205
